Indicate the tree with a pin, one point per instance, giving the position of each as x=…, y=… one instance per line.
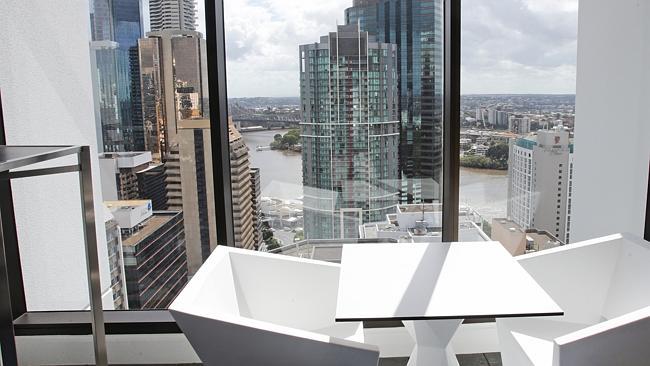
x=498, y=152
x=300, y=235
x=293, y=132
x=290, y=140
x=277, y=137
x=267, y=234
x=272, y=244
x=482, y=162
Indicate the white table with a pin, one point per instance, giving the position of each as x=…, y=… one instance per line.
x=433, y=287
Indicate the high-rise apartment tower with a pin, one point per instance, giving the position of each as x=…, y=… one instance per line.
x=416, y=27
x=243, y=193
x=349, y=132
x=172, y=14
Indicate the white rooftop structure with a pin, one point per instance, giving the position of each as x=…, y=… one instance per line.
x=129, y=159
x=110, y=165
x=129, y=214
x=422, y=223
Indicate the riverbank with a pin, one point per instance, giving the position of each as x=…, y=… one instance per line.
x=492, y=172
x=485, y=190
x=295, y=148
x=482, y=162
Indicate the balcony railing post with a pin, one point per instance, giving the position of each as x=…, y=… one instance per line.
x=7, y=336
x=92, y=260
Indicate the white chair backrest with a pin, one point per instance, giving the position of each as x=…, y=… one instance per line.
x=211, y=291
x=576, y=276
x=623, y=341
x=629, y=289
x=248, y=308
x=293, y=292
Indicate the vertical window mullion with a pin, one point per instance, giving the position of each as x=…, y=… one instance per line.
x=218, y=101
x=451, y=121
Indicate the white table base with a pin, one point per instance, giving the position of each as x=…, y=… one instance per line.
x=432, y=338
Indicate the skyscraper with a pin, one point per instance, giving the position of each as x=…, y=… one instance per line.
x=196, y=188
x=152, y=96
x=136, y=99
x=172, y=14
x=115, y=261
x=243, y=194
x=256, y=186
x=173, y=85
x=540, y=188
x=115, y=28
x=416, y=27
x=128, y=28
x=108, y=119
x=518, y=123
x=349, y=132
x=173, y=70
x=152, y=184
x=153, y=245
x=132, y=176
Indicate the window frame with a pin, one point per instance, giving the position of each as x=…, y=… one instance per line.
x=646, y=233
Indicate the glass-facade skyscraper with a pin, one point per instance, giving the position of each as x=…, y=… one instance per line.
x=415, y=26
x=116, y=26
x=127, y=28
x=349, y=132
x=110, y=133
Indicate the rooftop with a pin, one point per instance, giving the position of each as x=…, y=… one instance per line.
x=148, y=227
x=508, y=224
x=196, y=123
x=328, y=250
x=150, y=167
x=427, y=207
x=233, y=134
x=125, y=204
x=124, y=154
x=535, y=240
x=130, y=159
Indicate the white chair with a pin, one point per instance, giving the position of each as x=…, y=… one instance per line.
x=603, y=286
x=250, y=308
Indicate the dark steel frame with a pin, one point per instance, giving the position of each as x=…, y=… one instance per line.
x=451, y=122
x=217, y=87
x=96, y=315
x=646, y=233
x=16, y=320
x=11, y=279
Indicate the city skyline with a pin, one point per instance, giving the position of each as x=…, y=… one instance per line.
x=501, y=43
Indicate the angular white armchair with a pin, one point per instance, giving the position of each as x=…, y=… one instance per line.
x=250, y=308
x=603, y=286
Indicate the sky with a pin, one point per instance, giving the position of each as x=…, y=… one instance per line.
x=508, y=46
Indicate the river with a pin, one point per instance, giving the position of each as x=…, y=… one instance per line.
x=485, y=191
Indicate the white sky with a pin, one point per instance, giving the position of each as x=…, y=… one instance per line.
x=508, y=46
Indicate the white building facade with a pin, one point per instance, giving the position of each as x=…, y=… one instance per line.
x=539, y=182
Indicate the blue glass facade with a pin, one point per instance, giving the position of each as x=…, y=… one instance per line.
x=127, y=28
x=415, y=26
x=117, y=25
